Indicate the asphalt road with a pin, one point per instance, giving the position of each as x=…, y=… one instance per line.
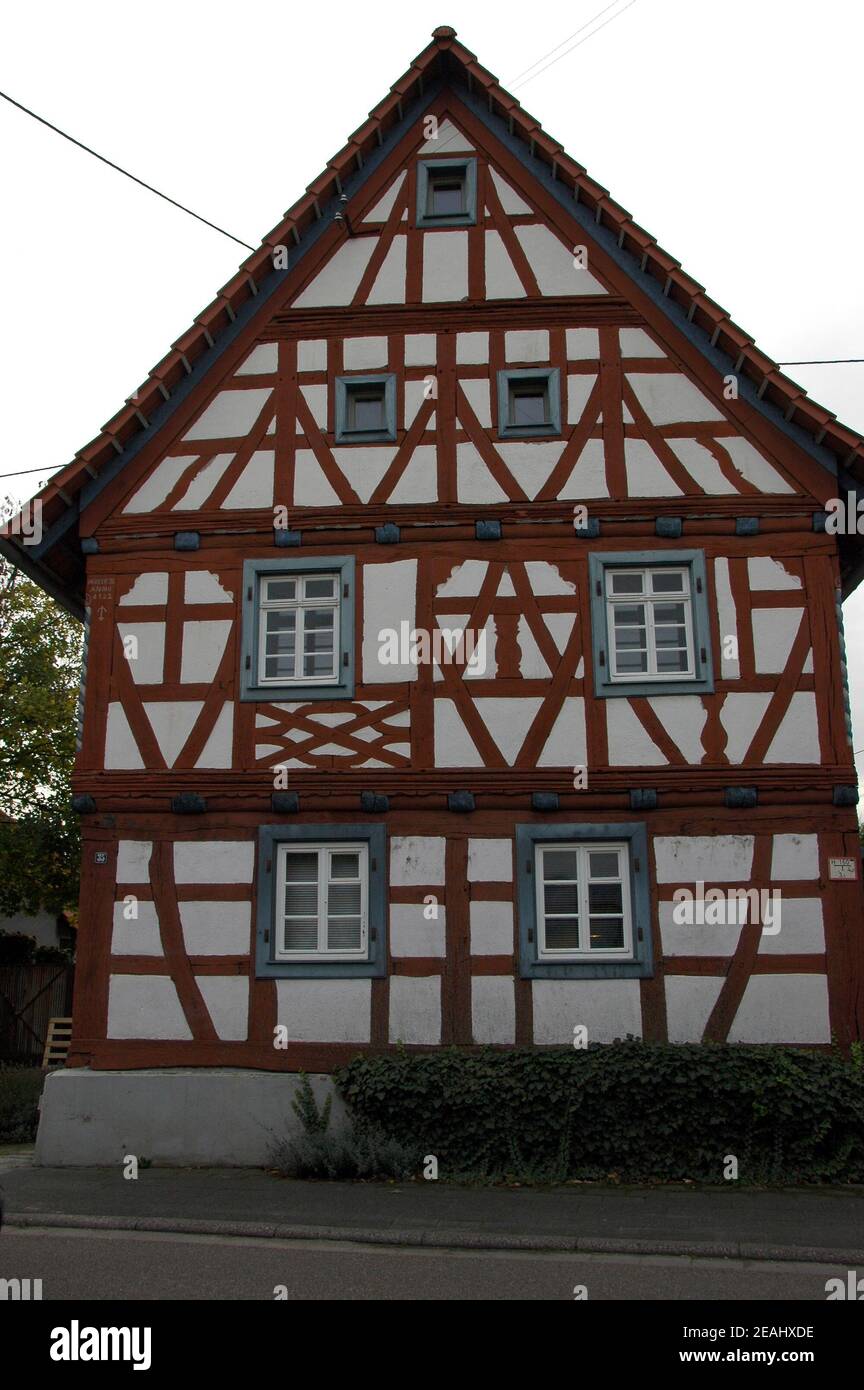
x=118, y=1265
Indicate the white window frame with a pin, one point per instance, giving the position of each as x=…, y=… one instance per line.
x=648, y=599
x=299, y=606
x=325, y=849
x=583, y=848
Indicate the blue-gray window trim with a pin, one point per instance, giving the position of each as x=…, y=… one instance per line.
x=461, y=219
x=551, y=376
x=700, y=683
x=269, y=839
x=253, y=572
x=343, y=433
x=528, y=836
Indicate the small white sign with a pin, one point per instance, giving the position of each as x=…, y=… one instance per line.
x=842, y=868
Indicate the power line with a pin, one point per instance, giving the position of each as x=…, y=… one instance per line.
x=820, y=361
x=561, y=44
x=575, y=45
x=125, y=172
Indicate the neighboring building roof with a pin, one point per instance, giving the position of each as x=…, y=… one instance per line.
x=56, y=563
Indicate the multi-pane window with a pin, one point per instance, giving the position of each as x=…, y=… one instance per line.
x=649, y=623
x=322, y=901
x=583, y=901
x=298, y=639
x=446, y=193
x=365, y=409
x=529, y=402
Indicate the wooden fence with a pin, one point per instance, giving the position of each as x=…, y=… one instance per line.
x=29, y=996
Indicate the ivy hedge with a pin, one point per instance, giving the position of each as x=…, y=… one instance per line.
x=627, y=1111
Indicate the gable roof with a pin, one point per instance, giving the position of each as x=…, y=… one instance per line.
x=56, y=563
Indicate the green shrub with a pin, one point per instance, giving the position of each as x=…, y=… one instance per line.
x=631, y=1111
x=20, y=1089
x=363, y=1151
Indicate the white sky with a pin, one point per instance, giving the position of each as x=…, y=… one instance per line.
x=731, y=133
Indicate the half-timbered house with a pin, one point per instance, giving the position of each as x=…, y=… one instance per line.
x=464, y=636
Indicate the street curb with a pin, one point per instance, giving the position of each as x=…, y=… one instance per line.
x=446, y=1239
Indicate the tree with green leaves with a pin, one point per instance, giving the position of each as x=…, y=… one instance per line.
x=40, y=667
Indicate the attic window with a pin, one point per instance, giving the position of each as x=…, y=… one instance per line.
x=446, y=193
x=528, y=403
x=365, y=409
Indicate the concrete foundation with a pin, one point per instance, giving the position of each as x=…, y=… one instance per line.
x=186, y=1117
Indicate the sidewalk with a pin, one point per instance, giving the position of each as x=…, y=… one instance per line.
x=799, y=1224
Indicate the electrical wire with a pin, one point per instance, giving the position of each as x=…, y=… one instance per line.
x=120, y=170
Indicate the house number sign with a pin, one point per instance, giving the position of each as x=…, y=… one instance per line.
x=842, y=868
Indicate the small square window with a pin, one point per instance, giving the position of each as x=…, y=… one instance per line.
x=651, y=633
x=446, y=193
x=321, y=901
x=365, y=409
x=298, y=630
x=584, y=903
x=529, y=403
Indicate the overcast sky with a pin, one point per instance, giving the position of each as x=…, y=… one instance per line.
x=731, y=132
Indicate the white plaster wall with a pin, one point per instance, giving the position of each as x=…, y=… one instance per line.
x=263, y=358
x=364, y=354
x=213, y=861
x=646, y=475
x=689, y=858
x=490, y=861
x=477, y=392
x=311, y=488
x=420, y=350
x=217, y=750
x=629, y=742
x=147, y=666
x=669, y=398
x=172, y=721
x=765, y=573
x=491, y=929
x=741, y=716
x=727, y=617
x=415, y=1009
x=389, y=599
x=156, y=488
x=411, y=934
x=227, y=1000
x=121, y=750
x=389, y=284
x=802, y=931
x=508, y=720
x=527, y=345
x=419, y=482
x=337, y=282
x=133, y=861
x=474, y=482
x=454, y=746
x=365, y=466
x=756, y=469
x=254, y=487
x=502, y=282
x=203, y=587
x=145, y=1006
x=472, y=348
x=588, y=478
x=445, y=266
x=783, y=1009
x=493, y=1009
x=582, y=343
x=774, y=631
x=509, y=199
x=312, y=355
x=230, y=415
x=325, y=1010
x=609, y=1009
x=147, y=589
x=797, y=739
x=567, y=744
x=552, y=263
x=417, y=859
x=635, y=342
x=203, y=645
x=689, y=1001
x=384, y=206
x=579, y=388
x=136, y=936
x=531, y=461
x=702, y=466
x=216, y=929
x=203, y=483
x=795, y=856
